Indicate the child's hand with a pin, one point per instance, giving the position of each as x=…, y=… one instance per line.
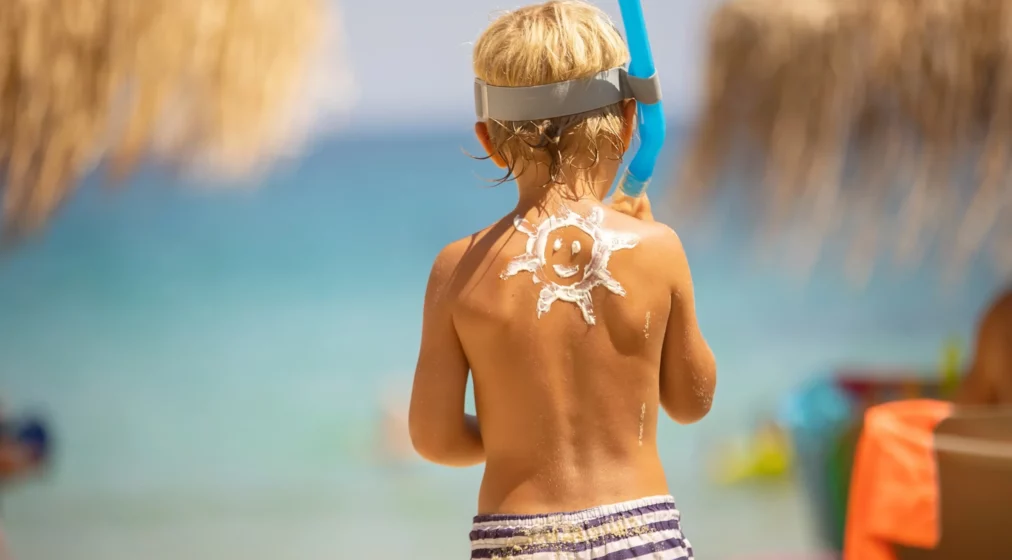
x=637, y=207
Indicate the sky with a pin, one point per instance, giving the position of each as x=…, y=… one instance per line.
x=412, y=60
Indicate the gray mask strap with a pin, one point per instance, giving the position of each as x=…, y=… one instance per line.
x=563, y=98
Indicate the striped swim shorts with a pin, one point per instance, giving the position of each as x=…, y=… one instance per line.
x=647, y=529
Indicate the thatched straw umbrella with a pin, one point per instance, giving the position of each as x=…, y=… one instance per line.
x=223, y=84
x=889, y=121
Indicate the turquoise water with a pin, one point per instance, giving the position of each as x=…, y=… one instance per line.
x=213, y=361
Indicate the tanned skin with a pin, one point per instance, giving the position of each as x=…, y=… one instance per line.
x=566, y=412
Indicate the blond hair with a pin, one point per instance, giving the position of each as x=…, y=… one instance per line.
x=206, y=81
x=542, y=44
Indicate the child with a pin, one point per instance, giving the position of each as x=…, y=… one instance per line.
x=990, y=379
x=576, y=321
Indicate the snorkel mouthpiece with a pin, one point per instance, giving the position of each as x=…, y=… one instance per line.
x=639, y=82
x=652, y=127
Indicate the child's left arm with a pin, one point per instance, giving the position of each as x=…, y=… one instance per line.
x=440, y=431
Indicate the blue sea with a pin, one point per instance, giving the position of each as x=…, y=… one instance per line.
x=213, y=360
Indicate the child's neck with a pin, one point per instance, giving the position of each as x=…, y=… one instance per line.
x=545, y=196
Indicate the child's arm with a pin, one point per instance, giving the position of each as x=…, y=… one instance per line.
x=688, y=368
x=440, y=431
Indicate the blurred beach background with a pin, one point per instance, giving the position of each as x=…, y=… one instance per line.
x=215, y=361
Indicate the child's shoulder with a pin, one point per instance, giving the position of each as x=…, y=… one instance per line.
x=458, y=262
x=448, y=260
x=456, y=252
x=659, y=249
x=657, y=238
x=458, y=259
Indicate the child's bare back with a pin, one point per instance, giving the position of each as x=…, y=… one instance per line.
x=568, y=391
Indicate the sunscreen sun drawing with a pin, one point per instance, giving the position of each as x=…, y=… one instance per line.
x=595, y=272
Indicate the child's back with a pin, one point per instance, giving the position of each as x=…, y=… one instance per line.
x=568, y=409
x=576, y=321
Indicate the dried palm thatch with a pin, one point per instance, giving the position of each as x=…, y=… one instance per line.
x=216, y=83
x=866, y=115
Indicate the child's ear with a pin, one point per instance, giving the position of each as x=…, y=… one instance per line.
x=481, y=131
x=629, y=120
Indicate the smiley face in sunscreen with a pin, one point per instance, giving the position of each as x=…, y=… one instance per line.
x=595, y=272
x=566, y=270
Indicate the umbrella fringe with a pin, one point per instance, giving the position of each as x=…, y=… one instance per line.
x=212, y=83
x=832, y=92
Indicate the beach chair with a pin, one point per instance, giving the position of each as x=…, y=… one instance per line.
x=931, y=482
x=974, y=458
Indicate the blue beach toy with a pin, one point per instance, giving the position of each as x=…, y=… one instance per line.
x=34, y=434
x=819, y=417
x=652, y=127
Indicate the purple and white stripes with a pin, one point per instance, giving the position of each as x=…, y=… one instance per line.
x=646, y=529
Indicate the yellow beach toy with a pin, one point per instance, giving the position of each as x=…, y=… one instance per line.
x=766, y=455
x=951, y=367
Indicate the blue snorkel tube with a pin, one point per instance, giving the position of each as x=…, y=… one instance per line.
x=652, y=126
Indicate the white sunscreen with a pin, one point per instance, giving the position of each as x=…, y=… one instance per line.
x=566, y=271
x=643, y=417
x=595, y=273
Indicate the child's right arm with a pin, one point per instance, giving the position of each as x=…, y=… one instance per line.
x=688, y=368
